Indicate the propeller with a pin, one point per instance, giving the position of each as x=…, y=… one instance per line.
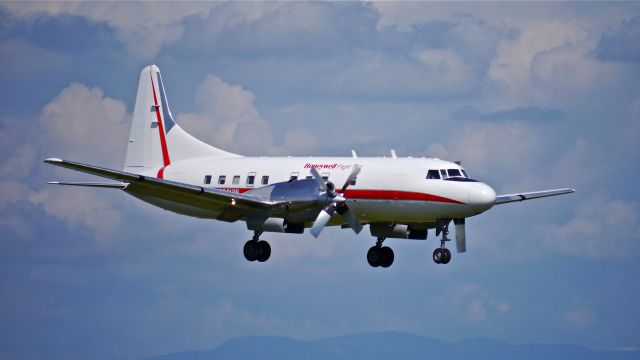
x=335, y=202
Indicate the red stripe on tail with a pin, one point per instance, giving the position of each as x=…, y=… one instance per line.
x=163, y=141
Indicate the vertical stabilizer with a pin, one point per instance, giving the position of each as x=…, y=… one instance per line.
x=155, y=140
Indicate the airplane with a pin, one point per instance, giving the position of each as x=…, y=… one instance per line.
x=399, y=198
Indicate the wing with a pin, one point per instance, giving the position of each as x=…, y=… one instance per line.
x=172, y=195
x=503, y=199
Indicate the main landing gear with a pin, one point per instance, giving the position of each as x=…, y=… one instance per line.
x=256, y=249
x=442, y=255
x=379, y=255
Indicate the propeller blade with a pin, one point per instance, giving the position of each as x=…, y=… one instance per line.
x=350, y=218
x=323, y=218
x=319, y=179
x=352, y=176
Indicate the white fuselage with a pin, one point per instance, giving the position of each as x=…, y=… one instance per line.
x=386, y=189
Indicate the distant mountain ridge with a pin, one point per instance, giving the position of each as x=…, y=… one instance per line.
x=390, y=345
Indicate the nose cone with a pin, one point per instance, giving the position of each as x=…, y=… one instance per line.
x=480, y=197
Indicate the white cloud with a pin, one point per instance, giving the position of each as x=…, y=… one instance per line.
x=82, y=123
x=300, y=141
x=512, y=66
x=20, y=163
x=404, y=15
x=452, y=70
x=491, y=147
x=227, y=118
x=92, y=208
x=601, y=228
x=143, y=26
x=432, y=73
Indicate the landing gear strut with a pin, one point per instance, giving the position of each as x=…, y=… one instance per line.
x=379, y=255
x=442, y=255
x=256, y=249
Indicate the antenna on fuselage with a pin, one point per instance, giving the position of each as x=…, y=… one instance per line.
x=353, y=153
x=393, y=154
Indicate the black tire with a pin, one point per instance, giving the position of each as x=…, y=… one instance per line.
x=447, y=256
x=264, y=251
x=387, y=257
x=437, y=256
x=373, y=256
x=251, y=250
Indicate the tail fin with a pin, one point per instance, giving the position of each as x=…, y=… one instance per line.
x=155, y=140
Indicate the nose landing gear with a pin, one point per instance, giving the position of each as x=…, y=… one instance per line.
x=442, y=255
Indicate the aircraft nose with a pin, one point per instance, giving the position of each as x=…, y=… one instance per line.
x=481, y=197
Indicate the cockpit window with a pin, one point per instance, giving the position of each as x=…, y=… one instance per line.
x=454, y=173
x=433, y=174
x=443, y=172
x=465, y=174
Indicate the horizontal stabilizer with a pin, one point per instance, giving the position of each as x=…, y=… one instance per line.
x=503, y=199
x=113, y=185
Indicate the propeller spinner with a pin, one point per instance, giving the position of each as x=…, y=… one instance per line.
x=335, y=202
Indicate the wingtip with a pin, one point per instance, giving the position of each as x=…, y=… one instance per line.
x=53, y=161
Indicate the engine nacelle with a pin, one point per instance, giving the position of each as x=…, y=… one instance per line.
x=302, y=198
x=276, y=225
x=398, y=231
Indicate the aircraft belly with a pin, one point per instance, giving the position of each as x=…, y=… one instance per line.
x=403, y=211
x=196, y=210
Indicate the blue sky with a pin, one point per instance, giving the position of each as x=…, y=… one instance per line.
x=527, y=95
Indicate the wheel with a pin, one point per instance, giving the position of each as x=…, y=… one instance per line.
x=387, y=256
x=438, y=255
x=447, y=256
x=264, y=251
x=251, y=250
x=373, y=256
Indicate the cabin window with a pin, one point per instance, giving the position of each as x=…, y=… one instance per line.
x=353, y=182
x=433, y=174
x=309, y=177
x=250, y=180
x=294, y=176
x=325, y=176
x=265, y=180
x=207, y=179
x=236, y=180
x=222, y=179
x=454, y=173
x=443, y=172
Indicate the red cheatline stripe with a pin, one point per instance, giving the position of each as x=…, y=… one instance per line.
x=163, y=142
x=396, y=195
x=378, y=195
